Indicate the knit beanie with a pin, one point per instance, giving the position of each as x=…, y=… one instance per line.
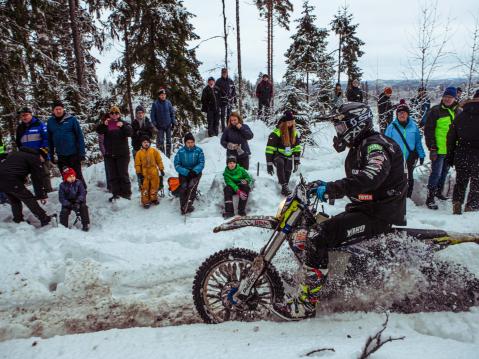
x=188, y=137
x=402, y=107
x=450, y=91
x=139, y=108
x=287, y=116
x=231, y=159
x=25, y=110
x=388, y=90
x=67, y=172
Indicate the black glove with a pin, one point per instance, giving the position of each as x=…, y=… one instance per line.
x=162, y=173
x=421, y=161
x=192, y=174
x=296, y=166
x=270, y=169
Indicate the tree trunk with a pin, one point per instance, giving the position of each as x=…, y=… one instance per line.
x=339, y=58
x=268, y=24
x=77, y=47
x=128, y=70
x=238, y=45
x=307, y=87
x=225, y=34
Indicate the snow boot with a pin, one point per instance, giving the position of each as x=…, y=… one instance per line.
x=45, y=221
x=440, y=196
x=85, y=227
x=146, y=206
x=113, y=198
x=303, y=305
x=430, y=202
x=456, y=208
x=285, y=191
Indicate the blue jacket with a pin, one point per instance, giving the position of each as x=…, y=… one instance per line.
x=188, y=159
x=70, y=193
x=34, y=135
x=65, y=136
x=411, y=133
x=238, y=137
x=162, y=114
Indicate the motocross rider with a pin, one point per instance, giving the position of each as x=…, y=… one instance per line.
x=376, y=184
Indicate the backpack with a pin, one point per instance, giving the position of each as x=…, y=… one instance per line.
x=174, y=185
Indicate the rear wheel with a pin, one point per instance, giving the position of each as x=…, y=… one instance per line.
x=217, y=280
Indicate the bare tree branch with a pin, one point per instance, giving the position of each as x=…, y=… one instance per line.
x=319, y=350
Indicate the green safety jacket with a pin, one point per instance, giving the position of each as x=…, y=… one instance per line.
x=438, y=121
x=275, y=146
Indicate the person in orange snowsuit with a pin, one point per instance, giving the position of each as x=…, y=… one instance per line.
x=147, y=165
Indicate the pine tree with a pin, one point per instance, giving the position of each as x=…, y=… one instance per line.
x=349, y=45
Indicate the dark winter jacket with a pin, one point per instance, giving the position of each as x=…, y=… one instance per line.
x=17, y=166
x=354, y=94
x=385, y=110
x=162, y=114
x=439, y=119
x=228, y=91
x=71, y=193
x=375, y=179
x=65, y=136
x=116, y=139
x=189, y=159
x=33, y=135
x=411, y=134
x=210, y=99
x=275, y=147
x=264, y=91
x=233, y=177
x=240, y=137
x=139, y=131
x=420, y=106
x=463, y=136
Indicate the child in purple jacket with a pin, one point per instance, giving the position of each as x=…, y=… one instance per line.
x=72, y=197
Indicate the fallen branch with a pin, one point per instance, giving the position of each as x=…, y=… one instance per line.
x=320, y=350
x=373, y=343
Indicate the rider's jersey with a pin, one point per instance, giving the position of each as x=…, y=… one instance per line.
x=375, y=180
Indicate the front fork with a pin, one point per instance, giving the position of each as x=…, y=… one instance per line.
x=265, y=257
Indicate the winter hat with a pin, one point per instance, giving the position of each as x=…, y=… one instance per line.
x=188, y=137
x=67, y=172
x=402, y=107
x=139, y=108
x=57, y=103
x=450, y=91
x=25, y=110
x=388, y=90
x=115, y=109
x=211, y=78
x=287, y=116
x=231, y=159
x=265, y=76
x=161, y=91
x=476, y=95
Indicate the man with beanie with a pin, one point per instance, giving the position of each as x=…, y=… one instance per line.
x=15, y=170
x=33, y=133
x=238, y=181
x=117, y=154
x=163, y=117
x=228, y=96
x=210, y=103
x=65, y=138
x=438, y=121
x=264, y=93
x=72, y=197
x=385, y=109
x=463, y=153
x=189, y=163
x=355, y=94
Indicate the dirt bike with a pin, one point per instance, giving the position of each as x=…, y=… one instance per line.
x=239, y=284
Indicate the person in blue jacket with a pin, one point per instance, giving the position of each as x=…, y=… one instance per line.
x=163, y=118
x=32, y=133
x=189, y=163
x=65, y=138
x=404, y=131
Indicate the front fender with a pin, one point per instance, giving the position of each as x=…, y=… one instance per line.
x=267, y=222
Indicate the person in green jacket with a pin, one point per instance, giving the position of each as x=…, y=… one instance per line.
x=238, y=181
x=438, y=121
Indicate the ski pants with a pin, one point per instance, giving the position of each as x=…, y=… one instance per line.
x=439, y=169
x=228, y=191
x=82, y=213
x=74, y=162
x=149, y=188
x=160, y=140
x=225, y=112
x=188, y=186
x=22, y=194
x=467, y=171
x=213, y=118
x=340, y=229
x=118, y=172
x=284, y=167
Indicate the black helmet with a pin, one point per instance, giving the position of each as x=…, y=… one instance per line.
x=350, y=121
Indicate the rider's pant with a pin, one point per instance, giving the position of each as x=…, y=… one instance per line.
x=340, y=229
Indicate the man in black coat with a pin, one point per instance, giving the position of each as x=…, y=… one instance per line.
x=385, y=109
x=210, y=103
x=354, y=94
x=264, y=93
x=463, y=153
x=13, y=176
x=228, y=96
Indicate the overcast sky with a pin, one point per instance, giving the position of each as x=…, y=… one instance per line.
x=386, y=26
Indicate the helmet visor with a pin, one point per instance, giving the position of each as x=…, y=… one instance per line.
x=340, y=127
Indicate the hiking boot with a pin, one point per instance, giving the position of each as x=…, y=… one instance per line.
x=126, y=196
x=456, y=208
x=285, y=191
x=227, y=215
x=18, y=220
x=303, y=305
x=430, y=202
x=440, y=196
x=113, y=198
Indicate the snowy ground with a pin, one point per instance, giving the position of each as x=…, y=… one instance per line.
x=135, y=268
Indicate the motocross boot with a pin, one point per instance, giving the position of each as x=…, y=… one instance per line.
x=303, y=304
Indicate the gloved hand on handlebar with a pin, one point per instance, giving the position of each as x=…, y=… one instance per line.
x=320, y=190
